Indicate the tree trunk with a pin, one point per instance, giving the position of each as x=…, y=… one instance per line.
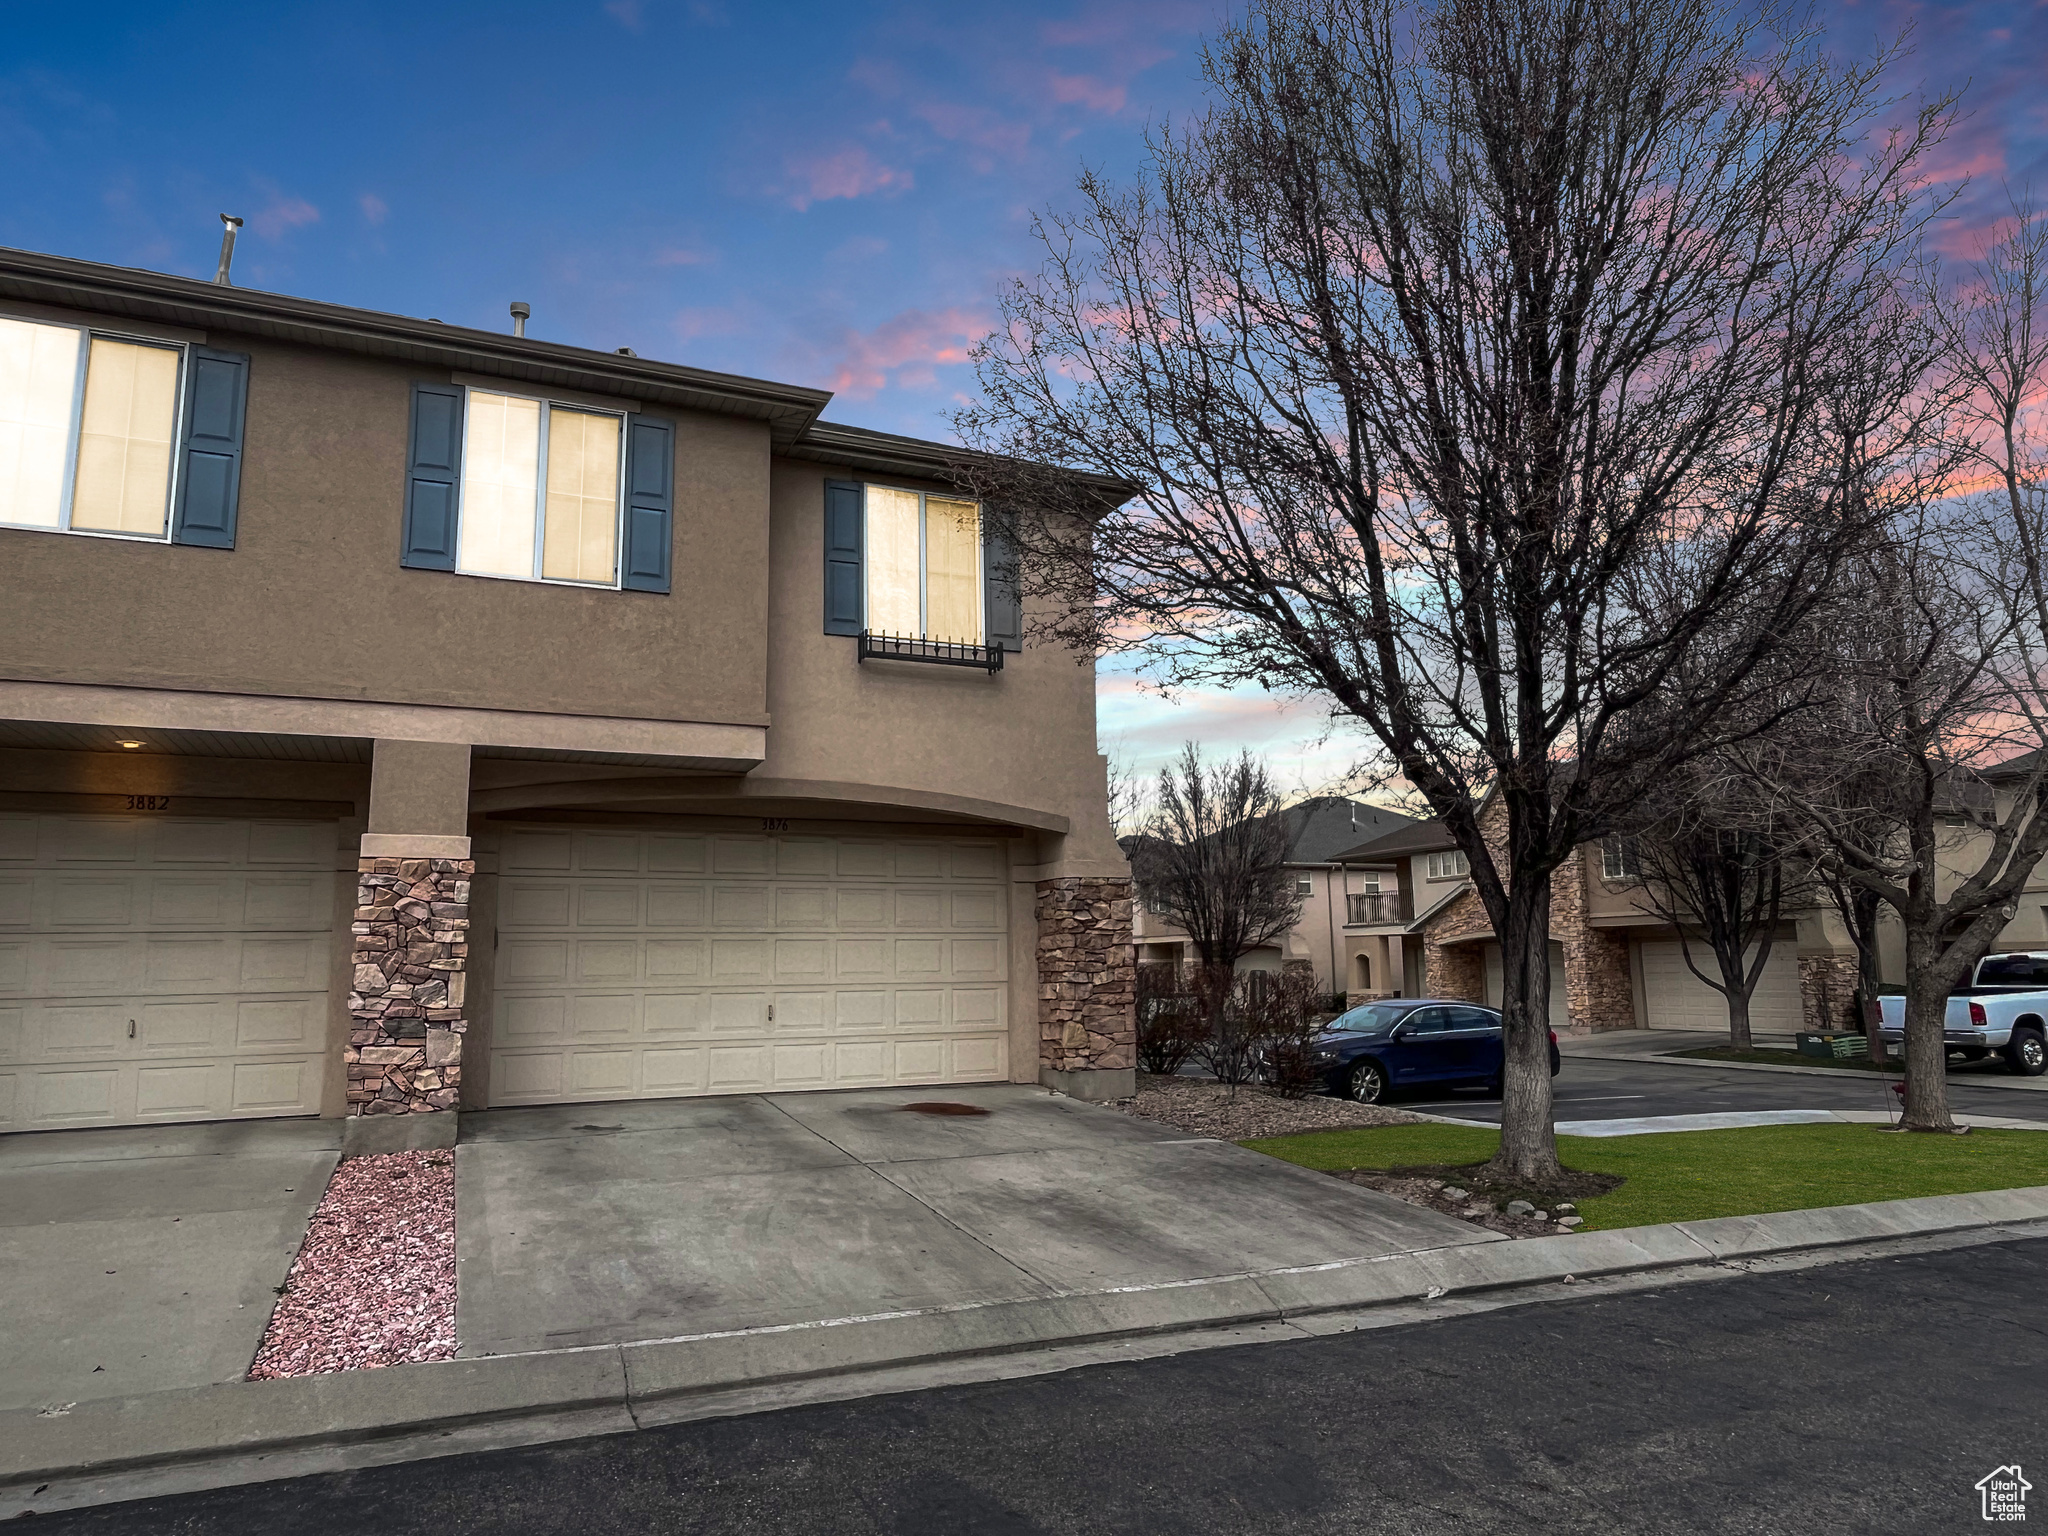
x=1528, y=1145
x=1864, y=931
x=1738, y=1018
x=1927, y=991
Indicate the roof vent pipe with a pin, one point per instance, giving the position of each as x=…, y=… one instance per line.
x=521, y=313
x=229, y=224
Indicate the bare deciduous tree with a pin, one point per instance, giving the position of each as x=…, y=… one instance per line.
x=1711, y=857
x=1479, y=359
x=1213, y=856
x=1932, y=760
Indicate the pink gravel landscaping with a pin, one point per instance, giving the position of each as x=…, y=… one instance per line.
x=374, y=1283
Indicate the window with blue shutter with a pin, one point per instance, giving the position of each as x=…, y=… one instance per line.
x=843, y=537
x=650, y=504
x=433, y=478
x=210, y=448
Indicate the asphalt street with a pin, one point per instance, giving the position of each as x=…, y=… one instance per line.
x=1595, y=1088
x=1866, y=1396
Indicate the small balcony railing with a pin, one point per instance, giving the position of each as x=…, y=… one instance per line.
x=1373, y=907
x=943, y=653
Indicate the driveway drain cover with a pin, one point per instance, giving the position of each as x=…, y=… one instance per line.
x=939, y=1108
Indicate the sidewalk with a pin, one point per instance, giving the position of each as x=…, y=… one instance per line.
x=77, y=1455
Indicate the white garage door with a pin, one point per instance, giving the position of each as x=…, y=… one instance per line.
x=1677, y=999
x=656, y=964
x=161, y=968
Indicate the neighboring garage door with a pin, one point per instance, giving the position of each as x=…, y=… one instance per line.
x=1677, y=999
x=1496, y=983
x=657, y=964
x=161, y=968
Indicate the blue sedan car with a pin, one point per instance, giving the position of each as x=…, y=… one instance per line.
x=1413, y=1042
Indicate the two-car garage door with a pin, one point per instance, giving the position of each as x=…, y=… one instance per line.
x=646, y=964
x=158, y=968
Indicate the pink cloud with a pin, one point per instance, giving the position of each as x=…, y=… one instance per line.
x=375, y=209
x=1085, y=91
x=682, y=256
x=977, y=127
x=283, y=215
x=625, y=12
x=706, y=320
x=904, y=351
x=850, y=172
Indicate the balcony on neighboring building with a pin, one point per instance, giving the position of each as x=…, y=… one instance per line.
x=1365, y=909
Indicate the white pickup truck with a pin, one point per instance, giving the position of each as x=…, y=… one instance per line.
x=2004, y=1009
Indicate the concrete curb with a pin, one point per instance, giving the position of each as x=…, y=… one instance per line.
x=240, y=1418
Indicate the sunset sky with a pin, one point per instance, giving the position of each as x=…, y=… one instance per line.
x=822, y=194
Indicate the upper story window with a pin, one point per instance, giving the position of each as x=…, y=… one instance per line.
x=1621, y=858
x=1448, y=866
x=540, y=491
x=119, y=436
x=1304, y=885
x=532, y=489
x=923, y=566
x=919, y=565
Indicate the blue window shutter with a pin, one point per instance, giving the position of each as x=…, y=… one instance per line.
x=843, y=539
x=650, y=503
x=1001, y=600
x=210, y=453
x=433, y=477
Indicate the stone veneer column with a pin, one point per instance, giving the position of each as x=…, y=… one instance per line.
x=1454, y=970
x=1827, y=993
x=1087, y=988
x=405, y=1042
x=1600, y=993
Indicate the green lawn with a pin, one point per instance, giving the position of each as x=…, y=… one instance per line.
x=1693, y=1175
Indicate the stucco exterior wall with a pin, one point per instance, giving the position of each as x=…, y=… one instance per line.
x=312, y=602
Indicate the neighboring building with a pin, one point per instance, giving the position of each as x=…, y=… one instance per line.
x=398, y=718
x=1319, y=830
x=1613, y=964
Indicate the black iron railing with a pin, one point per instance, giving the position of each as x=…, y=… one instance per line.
x=944, y=653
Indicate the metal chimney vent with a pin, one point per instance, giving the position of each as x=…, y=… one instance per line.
x=521, y=313
x=227, y=248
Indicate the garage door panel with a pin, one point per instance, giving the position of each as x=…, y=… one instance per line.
x=607, y=1073
x=203, y=901
x=308, y=843
x=279, y=1024
x=852, y=943
x=78, y=901
x=525, y=904
x=547, y=852
x=976, y=909
x=17, y=900
x=186, y=1029
x=275, y=1087
x=200, y=842
x=803, y=856
x=17, y=837
x=76, y=1095
x=803, y=960
x=287, y=901
x=94, y=967
x=183, y=964
x=612, y=852
x=282, y=964
x=605, y=962
x=14, y=967
x=10, y=1100
x=13, y=1034
x=675, y=855
x=677, y=906
x=675, y=959
x=603, y=1016
x=179, y=1092
x=608, y=904
x=89, y=840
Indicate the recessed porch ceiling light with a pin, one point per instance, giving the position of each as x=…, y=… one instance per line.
x=131, y=745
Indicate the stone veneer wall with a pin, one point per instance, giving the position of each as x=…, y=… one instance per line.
x=1087, y=976
x=1827, y=993
x=411, y=959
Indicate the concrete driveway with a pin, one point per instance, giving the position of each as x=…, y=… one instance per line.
x=604, y=1223
x=138, y=1260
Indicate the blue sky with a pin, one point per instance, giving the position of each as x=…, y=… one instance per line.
x=822, y=194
